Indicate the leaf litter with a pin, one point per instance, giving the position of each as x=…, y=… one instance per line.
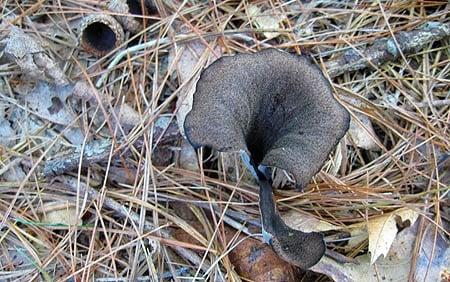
x=57, y=102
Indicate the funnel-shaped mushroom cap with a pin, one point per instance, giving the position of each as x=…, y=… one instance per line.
x=275, y=106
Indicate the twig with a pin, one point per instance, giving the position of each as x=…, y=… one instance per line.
x=91, y=152
x=384, y=50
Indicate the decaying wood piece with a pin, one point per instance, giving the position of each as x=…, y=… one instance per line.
x=91, y=152
x=100, y=150
x=388, y=49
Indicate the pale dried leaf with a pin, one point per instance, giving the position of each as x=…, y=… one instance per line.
x=184, y=104
x=433, y=263
x=60, y=214
x=48, y=101
x=263, y=20
x=362, y=133
x=394, y=267
x=382, y=231
x=306, y=222
x=27, y=52
x=190, y=60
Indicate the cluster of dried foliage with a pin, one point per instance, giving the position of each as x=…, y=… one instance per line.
x=132, y=203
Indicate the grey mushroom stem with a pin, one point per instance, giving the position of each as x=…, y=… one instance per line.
x=294, y=246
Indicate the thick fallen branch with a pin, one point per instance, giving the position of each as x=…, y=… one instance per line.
x=100, y=150
x=384, y=50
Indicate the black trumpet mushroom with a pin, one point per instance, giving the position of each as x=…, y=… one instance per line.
x=278, y=110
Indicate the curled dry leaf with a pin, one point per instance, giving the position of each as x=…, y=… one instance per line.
x=27, y=52
x=250, y=258
x=190, y=60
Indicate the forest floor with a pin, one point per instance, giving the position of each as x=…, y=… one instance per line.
x=97, y=182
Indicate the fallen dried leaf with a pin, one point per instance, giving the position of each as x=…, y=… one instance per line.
x=190, y=61
x=59, y=213
x=263, y=20
x=394, y=267
x=362, y=133
x=251, y=258
x=383, y=230
x=433, y=263
x=27, y=52
x=48, y=101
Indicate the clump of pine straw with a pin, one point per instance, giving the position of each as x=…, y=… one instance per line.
x=128, y=206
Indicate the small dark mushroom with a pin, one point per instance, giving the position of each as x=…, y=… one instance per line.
x=279, y=111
